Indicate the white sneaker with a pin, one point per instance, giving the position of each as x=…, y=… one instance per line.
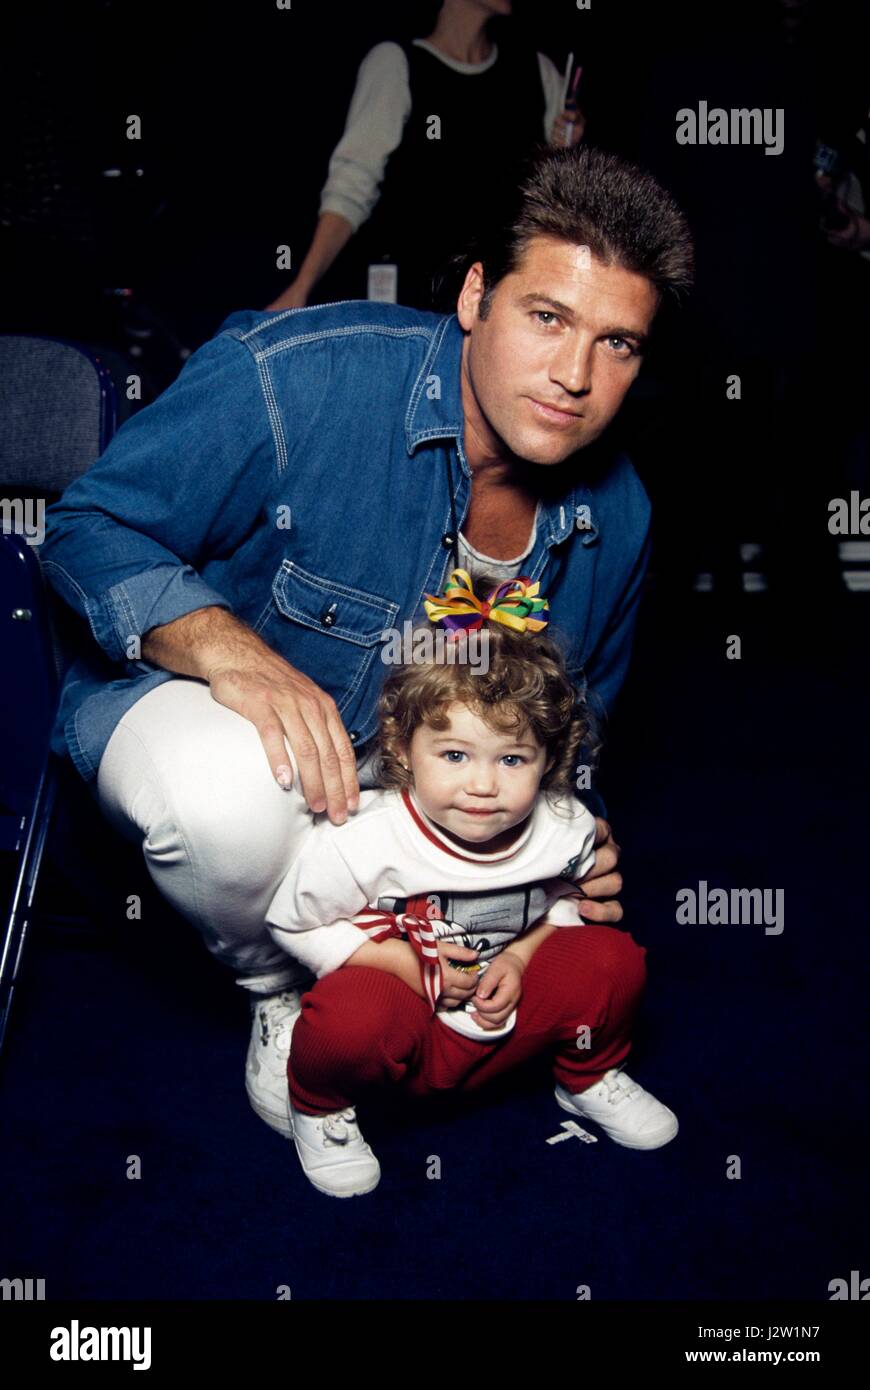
x=266, y=1069
x=624, y=1110
x=333, y=1153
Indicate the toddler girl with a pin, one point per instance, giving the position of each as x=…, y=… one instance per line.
x=442, y=919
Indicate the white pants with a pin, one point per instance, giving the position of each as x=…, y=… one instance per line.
x=189, y=780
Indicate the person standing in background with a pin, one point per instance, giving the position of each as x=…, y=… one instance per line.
x=434, y=130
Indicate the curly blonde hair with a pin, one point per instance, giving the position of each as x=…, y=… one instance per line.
x=525, y=688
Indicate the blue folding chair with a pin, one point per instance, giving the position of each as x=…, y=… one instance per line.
x=59, y=406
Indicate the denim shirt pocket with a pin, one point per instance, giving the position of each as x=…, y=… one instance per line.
x=326, y=628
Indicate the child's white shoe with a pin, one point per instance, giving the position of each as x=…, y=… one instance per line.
x=333, y=1153
x=624, y=1110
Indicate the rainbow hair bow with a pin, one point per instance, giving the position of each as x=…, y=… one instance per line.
x=516, y=603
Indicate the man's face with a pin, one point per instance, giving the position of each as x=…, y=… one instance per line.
x=563, y=331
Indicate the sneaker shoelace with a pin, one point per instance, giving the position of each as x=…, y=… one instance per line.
x=340, y=1127
x=275, y=1017
x=619, y=1087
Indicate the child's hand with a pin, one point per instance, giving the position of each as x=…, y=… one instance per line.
x=458, y=985
x=499, y=991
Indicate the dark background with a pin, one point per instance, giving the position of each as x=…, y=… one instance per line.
x=749, y=773
x=241, y=107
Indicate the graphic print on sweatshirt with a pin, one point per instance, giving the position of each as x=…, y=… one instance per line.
x=485, y=922
x=570, y=869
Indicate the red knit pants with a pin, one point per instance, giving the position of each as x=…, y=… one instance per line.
x=361, y=1027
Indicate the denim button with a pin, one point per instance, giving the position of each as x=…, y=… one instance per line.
x=327, y=617
x=353, y=735
x=448, y=540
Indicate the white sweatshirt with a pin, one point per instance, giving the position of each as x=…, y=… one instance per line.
x=390, y=870
x=379, y=108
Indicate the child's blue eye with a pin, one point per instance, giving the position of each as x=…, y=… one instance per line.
x=448, y=753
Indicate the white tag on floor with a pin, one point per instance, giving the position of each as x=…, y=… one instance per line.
x=573, y=1131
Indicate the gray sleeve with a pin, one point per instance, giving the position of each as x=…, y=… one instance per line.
x=379, y=108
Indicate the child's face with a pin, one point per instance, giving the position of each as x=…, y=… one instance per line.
x=473, y=782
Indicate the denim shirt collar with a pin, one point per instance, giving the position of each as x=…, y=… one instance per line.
x=435, y=412
x=435, y=406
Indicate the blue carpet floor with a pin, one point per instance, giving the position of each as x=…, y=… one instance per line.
x=129, y=1040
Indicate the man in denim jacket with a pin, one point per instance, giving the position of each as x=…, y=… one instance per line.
x=244, y=545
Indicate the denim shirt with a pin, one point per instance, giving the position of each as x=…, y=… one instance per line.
x=296, y=474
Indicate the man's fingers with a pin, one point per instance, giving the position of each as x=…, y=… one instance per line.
x=603, y=884
x=320, y=768
x=331, y=766
x=604, y=835
x=608, y=911
x=288, y=709
x=346, y=757
x=606, y=860
x=607, y=886
x=602, y=830
x=307, y=759
x=607, y=853
x=271, y=733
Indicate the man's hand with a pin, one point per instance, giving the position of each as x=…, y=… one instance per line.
x=457, y=985
x=247, y=676
x=279, y=700
x=499, y=991
x=603, y=882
